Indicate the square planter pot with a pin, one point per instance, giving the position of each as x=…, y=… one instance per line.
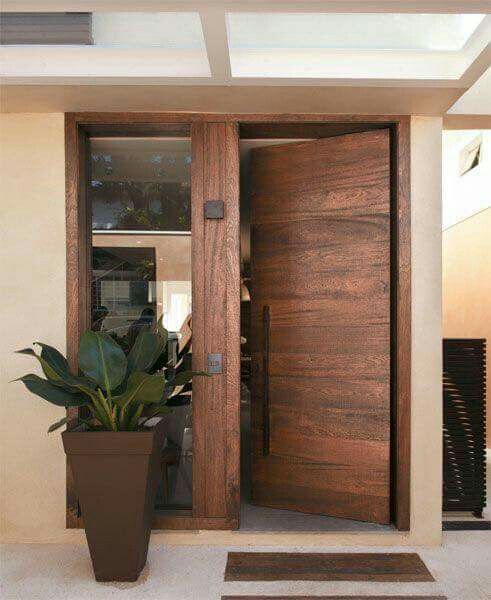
x=116, y=476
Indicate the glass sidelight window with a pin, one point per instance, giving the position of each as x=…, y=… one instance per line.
x=140, y=193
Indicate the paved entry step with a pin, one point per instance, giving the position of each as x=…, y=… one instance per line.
x=348, y=566
x=334, y=598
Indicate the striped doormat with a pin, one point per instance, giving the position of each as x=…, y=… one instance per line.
x=306, y=566
x=334, y=598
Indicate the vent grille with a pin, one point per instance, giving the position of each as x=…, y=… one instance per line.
x=45, y=28
x=464, y=425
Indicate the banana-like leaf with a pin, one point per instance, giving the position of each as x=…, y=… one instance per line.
x=48, y=370
x=59, y=363
x=102, y=359
x=54, y=358
x=54, y=371
x=185, y=376
x=146, y=350
x=142, y=389
x=56, y=395
x=58, y=424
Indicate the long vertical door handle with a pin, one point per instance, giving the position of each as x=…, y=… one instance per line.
x=266, y=334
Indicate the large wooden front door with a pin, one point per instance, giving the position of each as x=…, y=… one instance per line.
x=321, y=326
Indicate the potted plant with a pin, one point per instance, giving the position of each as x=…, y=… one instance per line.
x=114, y=448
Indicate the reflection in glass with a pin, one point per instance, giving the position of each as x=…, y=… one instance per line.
x=140, y=194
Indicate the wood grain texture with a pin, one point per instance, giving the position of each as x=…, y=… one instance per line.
x=198, y=294
x=176, y=522
x=232, y=342
x=321, y=261
x=216, y=260
x=302, y=130
x=135, y=117
x=294, y=566
x=401, y=325
x=78, y=260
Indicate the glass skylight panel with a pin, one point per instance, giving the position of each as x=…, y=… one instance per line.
x=171, y=31
x=354, y=31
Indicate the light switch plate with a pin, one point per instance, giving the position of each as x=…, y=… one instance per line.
x=215, y=363
x=214, y=209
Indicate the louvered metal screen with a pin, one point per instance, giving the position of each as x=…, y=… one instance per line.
x=464, y=425
x=45, y=28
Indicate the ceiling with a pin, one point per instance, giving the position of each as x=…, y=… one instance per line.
x=422, y=58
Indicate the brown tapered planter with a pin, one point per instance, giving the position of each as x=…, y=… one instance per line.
x=116, y=477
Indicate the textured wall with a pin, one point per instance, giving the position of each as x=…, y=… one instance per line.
x=426, y=420
x=32, y=308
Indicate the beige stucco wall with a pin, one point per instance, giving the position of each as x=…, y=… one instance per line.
x=467, y=282
x=426, y=381
x=33, y=308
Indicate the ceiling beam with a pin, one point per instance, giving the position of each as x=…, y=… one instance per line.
x=451, y=121
x=213, y=22
x=379, y=6
x=477, y=68
x=228, y=99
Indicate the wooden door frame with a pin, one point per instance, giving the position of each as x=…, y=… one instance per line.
x=216, y=297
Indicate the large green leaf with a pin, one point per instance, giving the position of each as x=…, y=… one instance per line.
x=56, y=395
x=102, y=359
x=54, y=358
x=142, y=389
x=48, y=370
x=56, y=370
x=185, y=376
x=146, y=350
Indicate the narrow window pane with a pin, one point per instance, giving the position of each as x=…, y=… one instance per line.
x=140, y=193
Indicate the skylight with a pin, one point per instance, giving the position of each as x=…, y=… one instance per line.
x=171, y=31
x=356, y=31
x=350, y=46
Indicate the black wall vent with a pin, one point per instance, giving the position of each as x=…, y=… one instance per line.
x=464, y=425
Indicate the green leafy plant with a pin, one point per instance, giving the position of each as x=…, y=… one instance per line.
x=119, y=392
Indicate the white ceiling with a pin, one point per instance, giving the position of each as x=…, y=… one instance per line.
x=477, y=99
x=428, y=49
x=259, y=43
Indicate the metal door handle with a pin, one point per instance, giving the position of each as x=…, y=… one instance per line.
x=266, y=334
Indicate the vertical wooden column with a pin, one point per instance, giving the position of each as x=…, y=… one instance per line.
x=401, y=356
x=78, y=256
x=216, y=322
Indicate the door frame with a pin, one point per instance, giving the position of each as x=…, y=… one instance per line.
x=215, y=175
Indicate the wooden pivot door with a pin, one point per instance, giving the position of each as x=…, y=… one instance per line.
x=321, y=326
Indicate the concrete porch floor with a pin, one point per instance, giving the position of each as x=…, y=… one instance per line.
x=461, y=567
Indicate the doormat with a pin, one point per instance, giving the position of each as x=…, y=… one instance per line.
x=334, y=598
x=348, y=566
x=466, y=525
